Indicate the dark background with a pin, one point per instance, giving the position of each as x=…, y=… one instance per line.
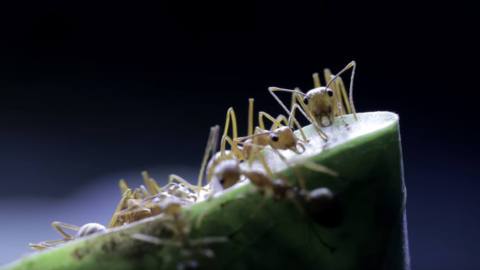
x=89, y=89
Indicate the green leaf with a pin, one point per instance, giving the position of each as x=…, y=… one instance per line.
x=365, y=230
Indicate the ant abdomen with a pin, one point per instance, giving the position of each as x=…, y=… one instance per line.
x=324, y=207
x=90, y=228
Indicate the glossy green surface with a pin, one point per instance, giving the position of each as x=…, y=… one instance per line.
x=263, y=233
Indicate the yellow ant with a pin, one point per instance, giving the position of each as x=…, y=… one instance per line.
x=144, y=201
x=235, y=153
x=278, y=137
x=130, y=208
x=210, y=150
x=60, y=227
x=178, y=225
x=322, y=104
x=224, y=166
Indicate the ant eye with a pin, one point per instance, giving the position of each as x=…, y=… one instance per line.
x=330, y=93
x=305, y=100
x=274, y=138
x=222, y=181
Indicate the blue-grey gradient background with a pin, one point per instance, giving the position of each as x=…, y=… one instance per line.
x=93, y=92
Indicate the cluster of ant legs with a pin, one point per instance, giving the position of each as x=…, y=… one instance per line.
x=228, y=167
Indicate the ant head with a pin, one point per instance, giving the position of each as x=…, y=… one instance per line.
x=318, y=95
x=227, y=173
x=283, y=138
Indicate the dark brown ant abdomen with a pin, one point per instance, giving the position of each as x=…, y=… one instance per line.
x=324, y=207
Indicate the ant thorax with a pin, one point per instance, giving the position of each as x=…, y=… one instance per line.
x=253, y=145
x=260, y=138
x=320, y=102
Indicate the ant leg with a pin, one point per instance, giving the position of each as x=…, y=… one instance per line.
x=338, y=109
x=241, y=140
x=256, y=153
x=134, y=212
x=38, y=246
x=144, y=191
x=265, y=165
x=316, y=80
x=254, y=149
x=292, y=120
x=298, y=99
x=348, y=103
x=233, y=146
x=152, y=185
x=300, y=179
x=120, y=206
x=311, y=165
x=282, y=118
x=45, y=244
x=352, y=65
x=122, y=184
x=208, y=240
x=272, y=91
x=155, y=240
x=211, y=145
x=60, y=226
x=341, y=86
x=231, y=117
x=250, y=116
x=148, y=239
x=292, y=99
x=276, y=123
x=172, y=178
x=138, y=193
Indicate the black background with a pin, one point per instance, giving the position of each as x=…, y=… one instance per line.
x=91, y=88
